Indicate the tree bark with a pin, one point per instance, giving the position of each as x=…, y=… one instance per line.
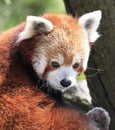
x=101, y=84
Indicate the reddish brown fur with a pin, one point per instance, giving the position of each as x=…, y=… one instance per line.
x=69, y=34
x=22, y=106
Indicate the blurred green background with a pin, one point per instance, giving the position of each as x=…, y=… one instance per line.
x=13, y=12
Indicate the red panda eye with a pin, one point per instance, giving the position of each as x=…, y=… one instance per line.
x=55, y=64
x=76, y=65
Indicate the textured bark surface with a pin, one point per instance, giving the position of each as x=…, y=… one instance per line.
x=102, y=84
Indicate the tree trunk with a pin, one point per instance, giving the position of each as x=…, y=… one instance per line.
x=101, y=84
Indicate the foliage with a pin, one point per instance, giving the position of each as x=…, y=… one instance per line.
x=12, y=12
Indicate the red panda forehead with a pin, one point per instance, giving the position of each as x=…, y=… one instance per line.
x=60, y=42
x=66, y=21
x=67, y=39
x=64, y=58
x=68, y=25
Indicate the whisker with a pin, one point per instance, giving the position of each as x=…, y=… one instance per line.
x=94, y=69
x=88, y=76
x=92, y=75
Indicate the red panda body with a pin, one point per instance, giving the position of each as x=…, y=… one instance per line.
x=22, y=106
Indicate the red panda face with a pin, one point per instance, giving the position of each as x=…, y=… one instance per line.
x=61, y=48
x=60, y=55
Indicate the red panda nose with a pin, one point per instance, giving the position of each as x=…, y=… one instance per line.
x=65, y=82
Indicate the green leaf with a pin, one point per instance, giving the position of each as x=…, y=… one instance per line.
x=81, y=77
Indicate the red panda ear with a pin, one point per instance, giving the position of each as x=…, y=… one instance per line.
x=35, y=25
x=90, y=22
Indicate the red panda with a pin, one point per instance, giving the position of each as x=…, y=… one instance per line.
x=54, y=48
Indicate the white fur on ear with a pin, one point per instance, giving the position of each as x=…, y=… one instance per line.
x=35, y=25
x=90, y=22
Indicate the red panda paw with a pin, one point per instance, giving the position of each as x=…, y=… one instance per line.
x=100, y=116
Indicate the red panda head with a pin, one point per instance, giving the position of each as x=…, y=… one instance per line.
x=58, y=47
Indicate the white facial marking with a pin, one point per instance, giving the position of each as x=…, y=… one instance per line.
x=54, y=77
x=59, y=59
x=87, y=52
x=39, y=63
x=76, y=59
